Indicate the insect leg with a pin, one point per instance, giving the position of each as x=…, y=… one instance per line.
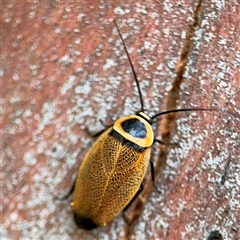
x=135, y=196
x=162, y=143
x=68, y=194
x=140, y=190
x=158, y=141
x=152, y=171
x=153, y=176
x=102, y=131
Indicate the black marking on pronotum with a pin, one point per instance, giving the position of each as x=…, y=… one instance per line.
x=124, y=141
x=134, y=127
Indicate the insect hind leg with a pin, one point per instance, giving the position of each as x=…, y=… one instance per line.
x=142, y=186
x=153, y=176
x=68, y=194
x=135, y=196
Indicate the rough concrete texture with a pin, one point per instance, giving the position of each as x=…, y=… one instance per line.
x=65, y=73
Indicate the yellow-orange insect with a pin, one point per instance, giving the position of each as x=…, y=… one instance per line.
x=113, y=169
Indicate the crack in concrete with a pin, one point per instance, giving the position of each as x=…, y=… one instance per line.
x=168, y=121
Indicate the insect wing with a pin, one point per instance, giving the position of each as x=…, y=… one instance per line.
x=108, y=179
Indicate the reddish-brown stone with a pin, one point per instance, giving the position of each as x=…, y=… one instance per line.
x=64, y=71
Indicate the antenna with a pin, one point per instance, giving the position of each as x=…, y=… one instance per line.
x=133, y=71
x=186, y=110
